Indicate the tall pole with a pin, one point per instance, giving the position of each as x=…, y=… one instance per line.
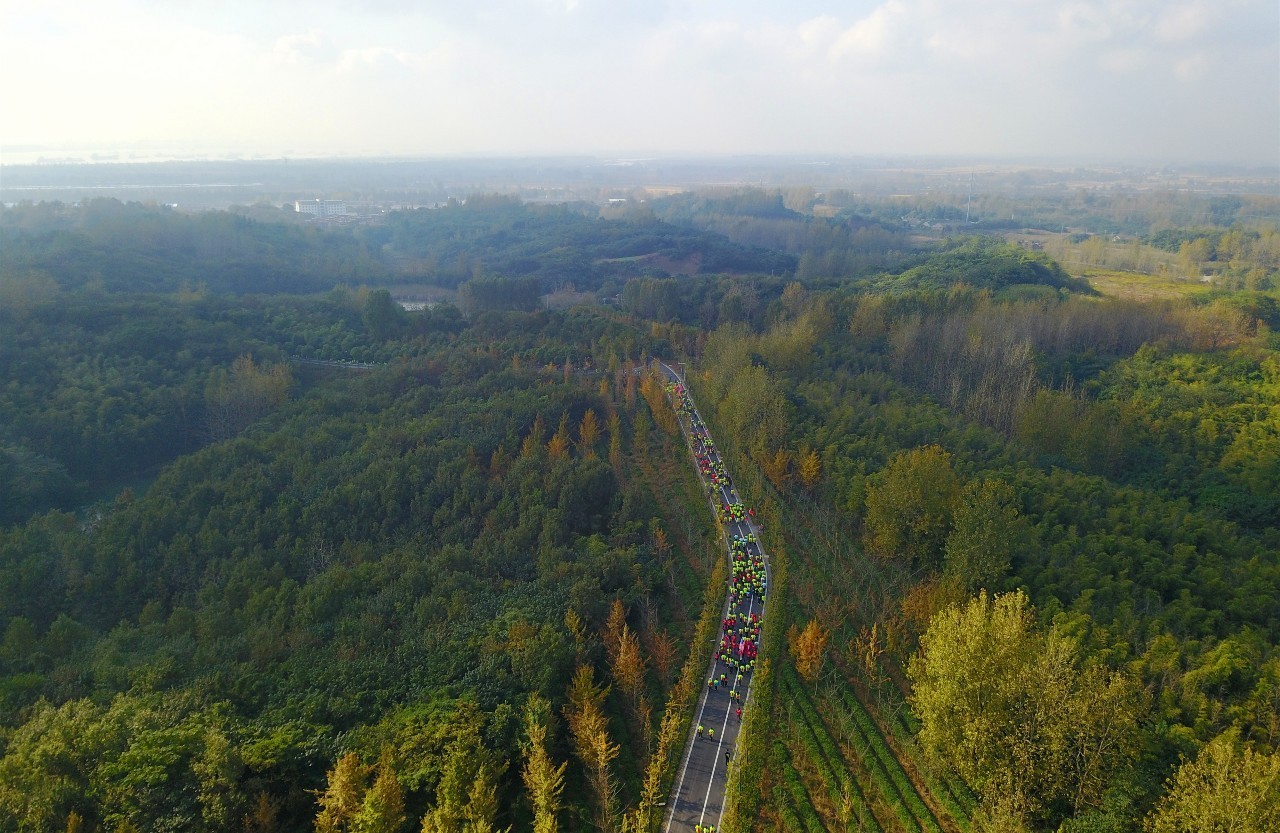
x=970, y=202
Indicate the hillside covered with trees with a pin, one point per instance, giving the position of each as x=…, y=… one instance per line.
x=277, y=554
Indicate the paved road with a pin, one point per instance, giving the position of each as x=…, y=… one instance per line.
x=698, y=794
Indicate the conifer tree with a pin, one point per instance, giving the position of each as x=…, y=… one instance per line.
x=613, y=628
x=382, y=810
x=542, y=778
x=558, y=445
x=776, y=467
x=810, y=468
x=341, y=800
x=809, y=647
x=589, y=733
x=588, y=434
x=533, y=441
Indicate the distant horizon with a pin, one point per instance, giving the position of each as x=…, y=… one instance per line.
x=50, y=155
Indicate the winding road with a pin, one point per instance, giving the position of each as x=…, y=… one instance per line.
x=697, y=798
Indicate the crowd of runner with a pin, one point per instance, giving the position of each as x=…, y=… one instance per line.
x=740, y=630
x=739, y=645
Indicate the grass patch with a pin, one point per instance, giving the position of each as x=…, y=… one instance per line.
x=1139, y=287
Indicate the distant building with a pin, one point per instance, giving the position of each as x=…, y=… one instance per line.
x=321, y=208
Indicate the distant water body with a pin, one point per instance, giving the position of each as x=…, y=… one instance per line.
x=129, y=185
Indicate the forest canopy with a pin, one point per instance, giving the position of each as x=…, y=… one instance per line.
x=279, y=553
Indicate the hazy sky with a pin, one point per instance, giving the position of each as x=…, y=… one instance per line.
x=1089, y=79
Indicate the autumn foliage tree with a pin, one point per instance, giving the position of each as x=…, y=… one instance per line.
x=589, y=737
x=654, y=392
x=588, y=434
x=341, y=800
x=665, y=653
x=628, y=667
x=236, y=398
x=533, y=440
x=614, y=624
x=810, y=466
x=558, y=445
x=809, y=648
x=777, y=467
x=382, y=810
x=542, y=778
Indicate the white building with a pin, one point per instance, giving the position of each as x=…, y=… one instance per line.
x=320, y=208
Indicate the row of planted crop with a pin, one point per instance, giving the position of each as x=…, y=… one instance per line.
x=860, y=731
x=948, y=788
x=790, y=797
x=812, y=734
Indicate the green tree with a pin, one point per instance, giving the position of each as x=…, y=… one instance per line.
x=48, y=762
x=986, y=530
x=1006, y=706
x=218, y=771
x=383, y=317
x=1226, y=789
x=909, y=508
x=466, y=797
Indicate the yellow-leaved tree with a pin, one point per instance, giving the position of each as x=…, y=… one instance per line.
x=909, y=507
x=588, y=434
x=1227, y=788
x=809, y=648
x=235, y=398
x=542, y=778
x=1009, y=708
x=558, y=445
x=589, y=737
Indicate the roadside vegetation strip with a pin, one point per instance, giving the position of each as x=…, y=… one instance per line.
x=741, y=792
x=688, y=690
x=743, y=789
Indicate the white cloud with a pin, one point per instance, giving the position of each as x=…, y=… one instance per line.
x=1185, y=21
x=704, y=75
x=1192, y=67
x=312, y=47
x=874, y=36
